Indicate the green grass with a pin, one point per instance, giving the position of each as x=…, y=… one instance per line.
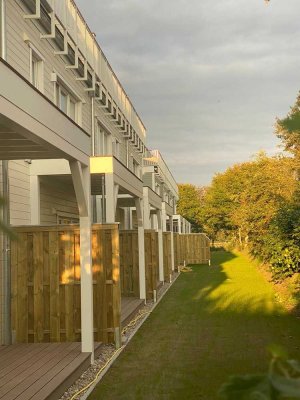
x=214, y=322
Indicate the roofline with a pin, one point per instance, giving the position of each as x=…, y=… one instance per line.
x=108, y=63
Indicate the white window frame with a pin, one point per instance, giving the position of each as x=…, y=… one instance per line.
x=136, y=167
x=116, y=148
x=36, y=57
x=66, y=215
x=60, y=85
x=103, y=141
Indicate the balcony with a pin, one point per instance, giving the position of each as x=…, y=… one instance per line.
x=156, y=160
x=32, y=127
x=127, y=181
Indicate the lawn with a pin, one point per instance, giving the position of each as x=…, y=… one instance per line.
x=214, y=322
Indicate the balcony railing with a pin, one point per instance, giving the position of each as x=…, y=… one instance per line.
x=154, y=158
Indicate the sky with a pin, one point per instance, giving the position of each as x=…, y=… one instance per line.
x=208, y=78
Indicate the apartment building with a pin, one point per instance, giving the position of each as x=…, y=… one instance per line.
x=72, y=145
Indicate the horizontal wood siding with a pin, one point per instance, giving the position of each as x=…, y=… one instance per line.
x=18, y=56
x=129, y=263
x=19, y=188
x=45, y=266
x=56, y=199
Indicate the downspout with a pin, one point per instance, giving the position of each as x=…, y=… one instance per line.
x=94, y=198
x=6, y=278
x=93, y=126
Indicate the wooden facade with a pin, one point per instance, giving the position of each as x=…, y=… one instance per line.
x=167, y=256
x=151, y=263
x=45, y=267
x=129, y=263
x=193, y=248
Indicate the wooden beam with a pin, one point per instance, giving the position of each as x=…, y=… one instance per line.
x=79, y=185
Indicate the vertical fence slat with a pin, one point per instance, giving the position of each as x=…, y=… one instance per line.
x=46, y=283
x=22, y=300
x=38, y=292
x=54, y=288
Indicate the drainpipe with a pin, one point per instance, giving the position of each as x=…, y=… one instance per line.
x=93, y=126
x=94, y=199
x=6, y=283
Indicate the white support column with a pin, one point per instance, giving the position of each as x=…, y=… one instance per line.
x=81, y=180
x=179, y=225
x=35, y=200
x=164, y=217
x=110, y=198
x=147, y=221
x=172, y=242
x=141, y=242
x=160, y=246
x=130, y=219
x=116, y=192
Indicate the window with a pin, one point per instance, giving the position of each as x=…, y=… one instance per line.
x=65, y=218
x=67, y=102
x=103, y=142
x=136, y=168
x=36, y=69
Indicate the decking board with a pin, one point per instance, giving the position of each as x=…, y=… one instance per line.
x=40, y=371
x=129, y=308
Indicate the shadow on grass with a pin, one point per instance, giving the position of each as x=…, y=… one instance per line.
x=214, y=322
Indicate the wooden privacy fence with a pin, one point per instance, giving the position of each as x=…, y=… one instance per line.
x=167, y=249
x=192, y=248
x=151, y=263
x=45, y=268
x=177, y=250
x=129, y=263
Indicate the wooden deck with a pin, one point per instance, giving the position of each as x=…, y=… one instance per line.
x=130, y=306
x=39, y=371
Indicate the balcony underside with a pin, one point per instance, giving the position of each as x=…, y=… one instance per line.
x=128, y=182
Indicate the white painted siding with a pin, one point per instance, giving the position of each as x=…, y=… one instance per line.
x=56, y=198
x=18, y=53
x=19, y=188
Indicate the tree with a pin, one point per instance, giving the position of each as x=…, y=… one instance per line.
x=190, y=203
x=288, y=130
x=242, y=201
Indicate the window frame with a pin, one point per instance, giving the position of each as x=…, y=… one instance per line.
x=60, y=85
x=36, y=62
x=103, y=142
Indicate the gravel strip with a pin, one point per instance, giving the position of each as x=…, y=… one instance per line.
x=108, y=350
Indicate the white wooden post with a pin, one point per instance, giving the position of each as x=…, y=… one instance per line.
x=160, y=246
x=179, y=224
x=110, y=198
x=172, y=242
x=35, y=202
x=81, y=180
x=147, y=222
x=141, y=243
x=164, y=217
